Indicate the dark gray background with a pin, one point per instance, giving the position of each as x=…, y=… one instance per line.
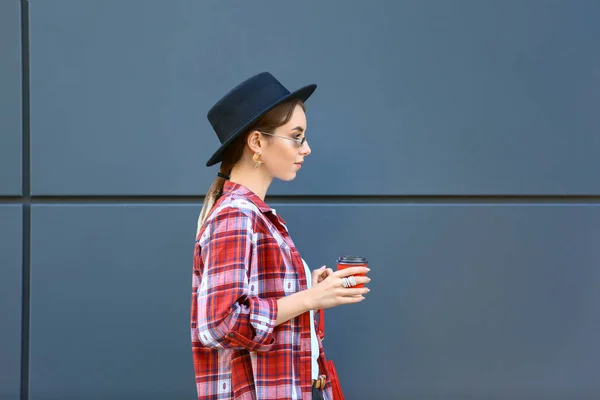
x=473, y=298
x=10, y=300
x=10, y=98
x=433, y=97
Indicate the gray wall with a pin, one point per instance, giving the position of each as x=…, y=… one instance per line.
x=10, y=98
x=10, y=300
x=455, y=144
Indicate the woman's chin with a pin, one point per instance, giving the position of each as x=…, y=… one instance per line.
x=288, y=177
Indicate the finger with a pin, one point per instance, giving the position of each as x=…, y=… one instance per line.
x=355, y=292
x=351, y=271
x=353, y=299
x=339, y=283
x=325, y=274
x=317, y=273
x=359, y=280
x=362, y=279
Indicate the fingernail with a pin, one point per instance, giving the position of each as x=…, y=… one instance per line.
x=368, y=269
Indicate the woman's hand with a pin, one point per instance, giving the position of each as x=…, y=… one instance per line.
x=328, y=290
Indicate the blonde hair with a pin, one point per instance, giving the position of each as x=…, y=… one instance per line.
x=275, y=118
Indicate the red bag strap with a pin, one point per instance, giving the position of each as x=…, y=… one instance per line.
x=321, y=324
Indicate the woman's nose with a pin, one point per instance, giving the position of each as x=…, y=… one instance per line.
x=305, y=149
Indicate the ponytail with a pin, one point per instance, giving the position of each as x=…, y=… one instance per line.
x=214, y=193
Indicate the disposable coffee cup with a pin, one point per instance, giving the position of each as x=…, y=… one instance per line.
x=344, y=262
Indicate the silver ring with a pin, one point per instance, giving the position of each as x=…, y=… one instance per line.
x=345, y=282
x=352, y=281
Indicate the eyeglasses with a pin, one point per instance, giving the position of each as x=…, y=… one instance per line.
x=299, y=142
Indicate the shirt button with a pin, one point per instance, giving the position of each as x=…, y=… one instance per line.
x=231, y=335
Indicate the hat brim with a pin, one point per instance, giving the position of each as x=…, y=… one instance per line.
x=303, y=94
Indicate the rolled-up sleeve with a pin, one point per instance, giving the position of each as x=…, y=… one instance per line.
x=228, y=317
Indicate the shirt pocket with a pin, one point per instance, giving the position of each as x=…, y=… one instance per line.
x=275, y=263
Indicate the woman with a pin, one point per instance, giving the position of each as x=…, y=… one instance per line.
x=252, y=322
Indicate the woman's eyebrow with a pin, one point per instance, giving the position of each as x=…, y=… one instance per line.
x=298, y=128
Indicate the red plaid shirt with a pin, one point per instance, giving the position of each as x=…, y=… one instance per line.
x=244, y=260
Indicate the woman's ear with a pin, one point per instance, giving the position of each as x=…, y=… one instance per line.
x=253, y=141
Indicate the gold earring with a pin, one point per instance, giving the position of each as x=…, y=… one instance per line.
x=256, y=159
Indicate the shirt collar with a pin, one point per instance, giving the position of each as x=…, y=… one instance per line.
x=231, y=188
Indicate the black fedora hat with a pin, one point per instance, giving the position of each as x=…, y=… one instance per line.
x=245, y=104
